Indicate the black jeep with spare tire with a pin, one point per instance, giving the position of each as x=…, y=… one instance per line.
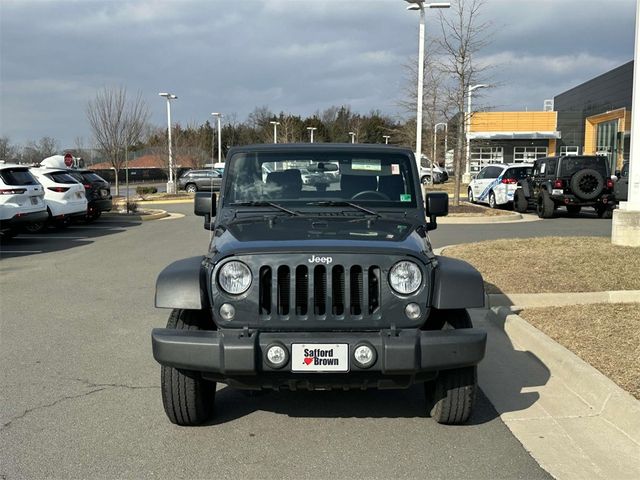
x=572, y=181
x=306, y=288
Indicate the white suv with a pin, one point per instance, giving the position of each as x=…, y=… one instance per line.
x=21, y=199
x=64, y=196
x=496, y=183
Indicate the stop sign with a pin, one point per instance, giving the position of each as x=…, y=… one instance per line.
x=68, y=159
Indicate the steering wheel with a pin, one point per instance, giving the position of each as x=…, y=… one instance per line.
x=370, y=195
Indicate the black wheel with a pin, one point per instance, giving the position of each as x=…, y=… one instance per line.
x=37, y=227
x=492, y=200
x=187, y=398
x=470, y=196
x=191, y=188
x=520, y=202
x=424, y=180
x=604, y=211
x=587, y=184
x=451, y=396
x=545, y=207
x=573, y=210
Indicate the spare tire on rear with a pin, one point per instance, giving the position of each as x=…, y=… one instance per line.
x=587, y=184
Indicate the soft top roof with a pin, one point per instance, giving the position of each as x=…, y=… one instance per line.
x=323, y=147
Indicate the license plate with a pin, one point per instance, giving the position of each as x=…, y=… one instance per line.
x=34, y=200
x=320, y=357
x=556, y=191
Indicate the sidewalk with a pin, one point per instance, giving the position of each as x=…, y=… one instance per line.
x=573, y=420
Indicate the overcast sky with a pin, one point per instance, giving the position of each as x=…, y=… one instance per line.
x=297, y=56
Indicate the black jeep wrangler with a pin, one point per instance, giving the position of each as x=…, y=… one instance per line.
x=319, y=288
x=567, y=181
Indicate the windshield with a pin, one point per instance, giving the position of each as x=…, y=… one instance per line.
x=305, y=178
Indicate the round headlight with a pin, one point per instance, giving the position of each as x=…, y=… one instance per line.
x=234, y=277
x=405, y=277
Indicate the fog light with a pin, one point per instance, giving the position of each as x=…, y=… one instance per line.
x=277, y=356
x=364, y=355
x=412, y=311
x=227, y=311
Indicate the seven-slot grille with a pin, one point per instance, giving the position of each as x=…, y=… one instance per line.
x=319, y=291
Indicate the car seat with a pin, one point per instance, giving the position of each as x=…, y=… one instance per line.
x=353, y=184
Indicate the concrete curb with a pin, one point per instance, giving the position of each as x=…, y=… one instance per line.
x=615, y=404
x=155, y=215
x=524, y=300
x=512, y=217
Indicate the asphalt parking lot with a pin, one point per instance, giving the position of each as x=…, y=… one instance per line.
x=79, y=389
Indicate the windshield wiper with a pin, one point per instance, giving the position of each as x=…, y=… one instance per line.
x=265, y=204
x=343, y=203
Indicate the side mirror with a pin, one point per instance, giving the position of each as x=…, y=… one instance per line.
x=436, y=205
x=204, y=205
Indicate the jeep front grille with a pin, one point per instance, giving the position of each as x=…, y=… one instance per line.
x=319, y=291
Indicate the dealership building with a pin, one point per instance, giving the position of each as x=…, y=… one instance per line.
x=591, y=118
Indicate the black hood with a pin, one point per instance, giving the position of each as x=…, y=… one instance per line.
x=297, y=234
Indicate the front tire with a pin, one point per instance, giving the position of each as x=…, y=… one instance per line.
x=191, y=188
x=492, y=200
x=451, y=396
x=187, y=398
x=470, y=196
x=545, y=207
x=520, y=202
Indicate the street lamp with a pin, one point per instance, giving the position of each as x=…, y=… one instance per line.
x=169, y=96
x=275, y=131
x=435, y=131
x=421, y=5
x=467, y=170
x=386, y=139
x=218, y=117
x=311, y=130
x=353, y=137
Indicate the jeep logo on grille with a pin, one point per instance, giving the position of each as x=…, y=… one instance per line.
x=325, y=260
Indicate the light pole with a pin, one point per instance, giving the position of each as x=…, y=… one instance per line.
x=311, y=130
x=386, y=139
x=353, y=137
x=467, y=127
x=170, y=184
x=218, y=117
x=435, y=131
x=275, y=131
x=421, y=5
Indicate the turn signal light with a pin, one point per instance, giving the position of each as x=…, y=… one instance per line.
x=558, y=184
x=509, y=181
x=609, y=183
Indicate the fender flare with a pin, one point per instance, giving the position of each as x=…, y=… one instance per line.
x=457, y=285
x=182, y=285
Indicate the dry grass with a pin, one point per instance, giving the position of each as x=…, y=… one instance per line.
x=448, y=187
x=605, y=336
x=552, y=264
x=469, y=210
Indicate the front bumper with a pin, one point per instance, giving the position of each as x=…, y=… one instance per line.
x=225, y=354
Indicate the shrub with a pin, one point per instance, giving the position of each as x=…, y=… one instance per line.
x=146, y=190
x=132, y=207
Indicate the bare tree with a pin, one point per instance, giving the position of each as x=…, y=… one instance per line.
x=35, y=152
x=464, y=34
x=116, y=123
x=8, y=152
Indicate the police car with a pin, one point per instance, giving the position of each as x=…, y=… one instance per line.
x=496, y=183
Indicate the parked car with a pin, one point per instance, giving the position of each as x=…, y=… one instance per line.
x=97, y=191
x=309, y=289
x=495, y=184
x=574, y=182
x=21, y=199
x=198, y=180
x=621, y=186
x=440, y=174
x=64, y=197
